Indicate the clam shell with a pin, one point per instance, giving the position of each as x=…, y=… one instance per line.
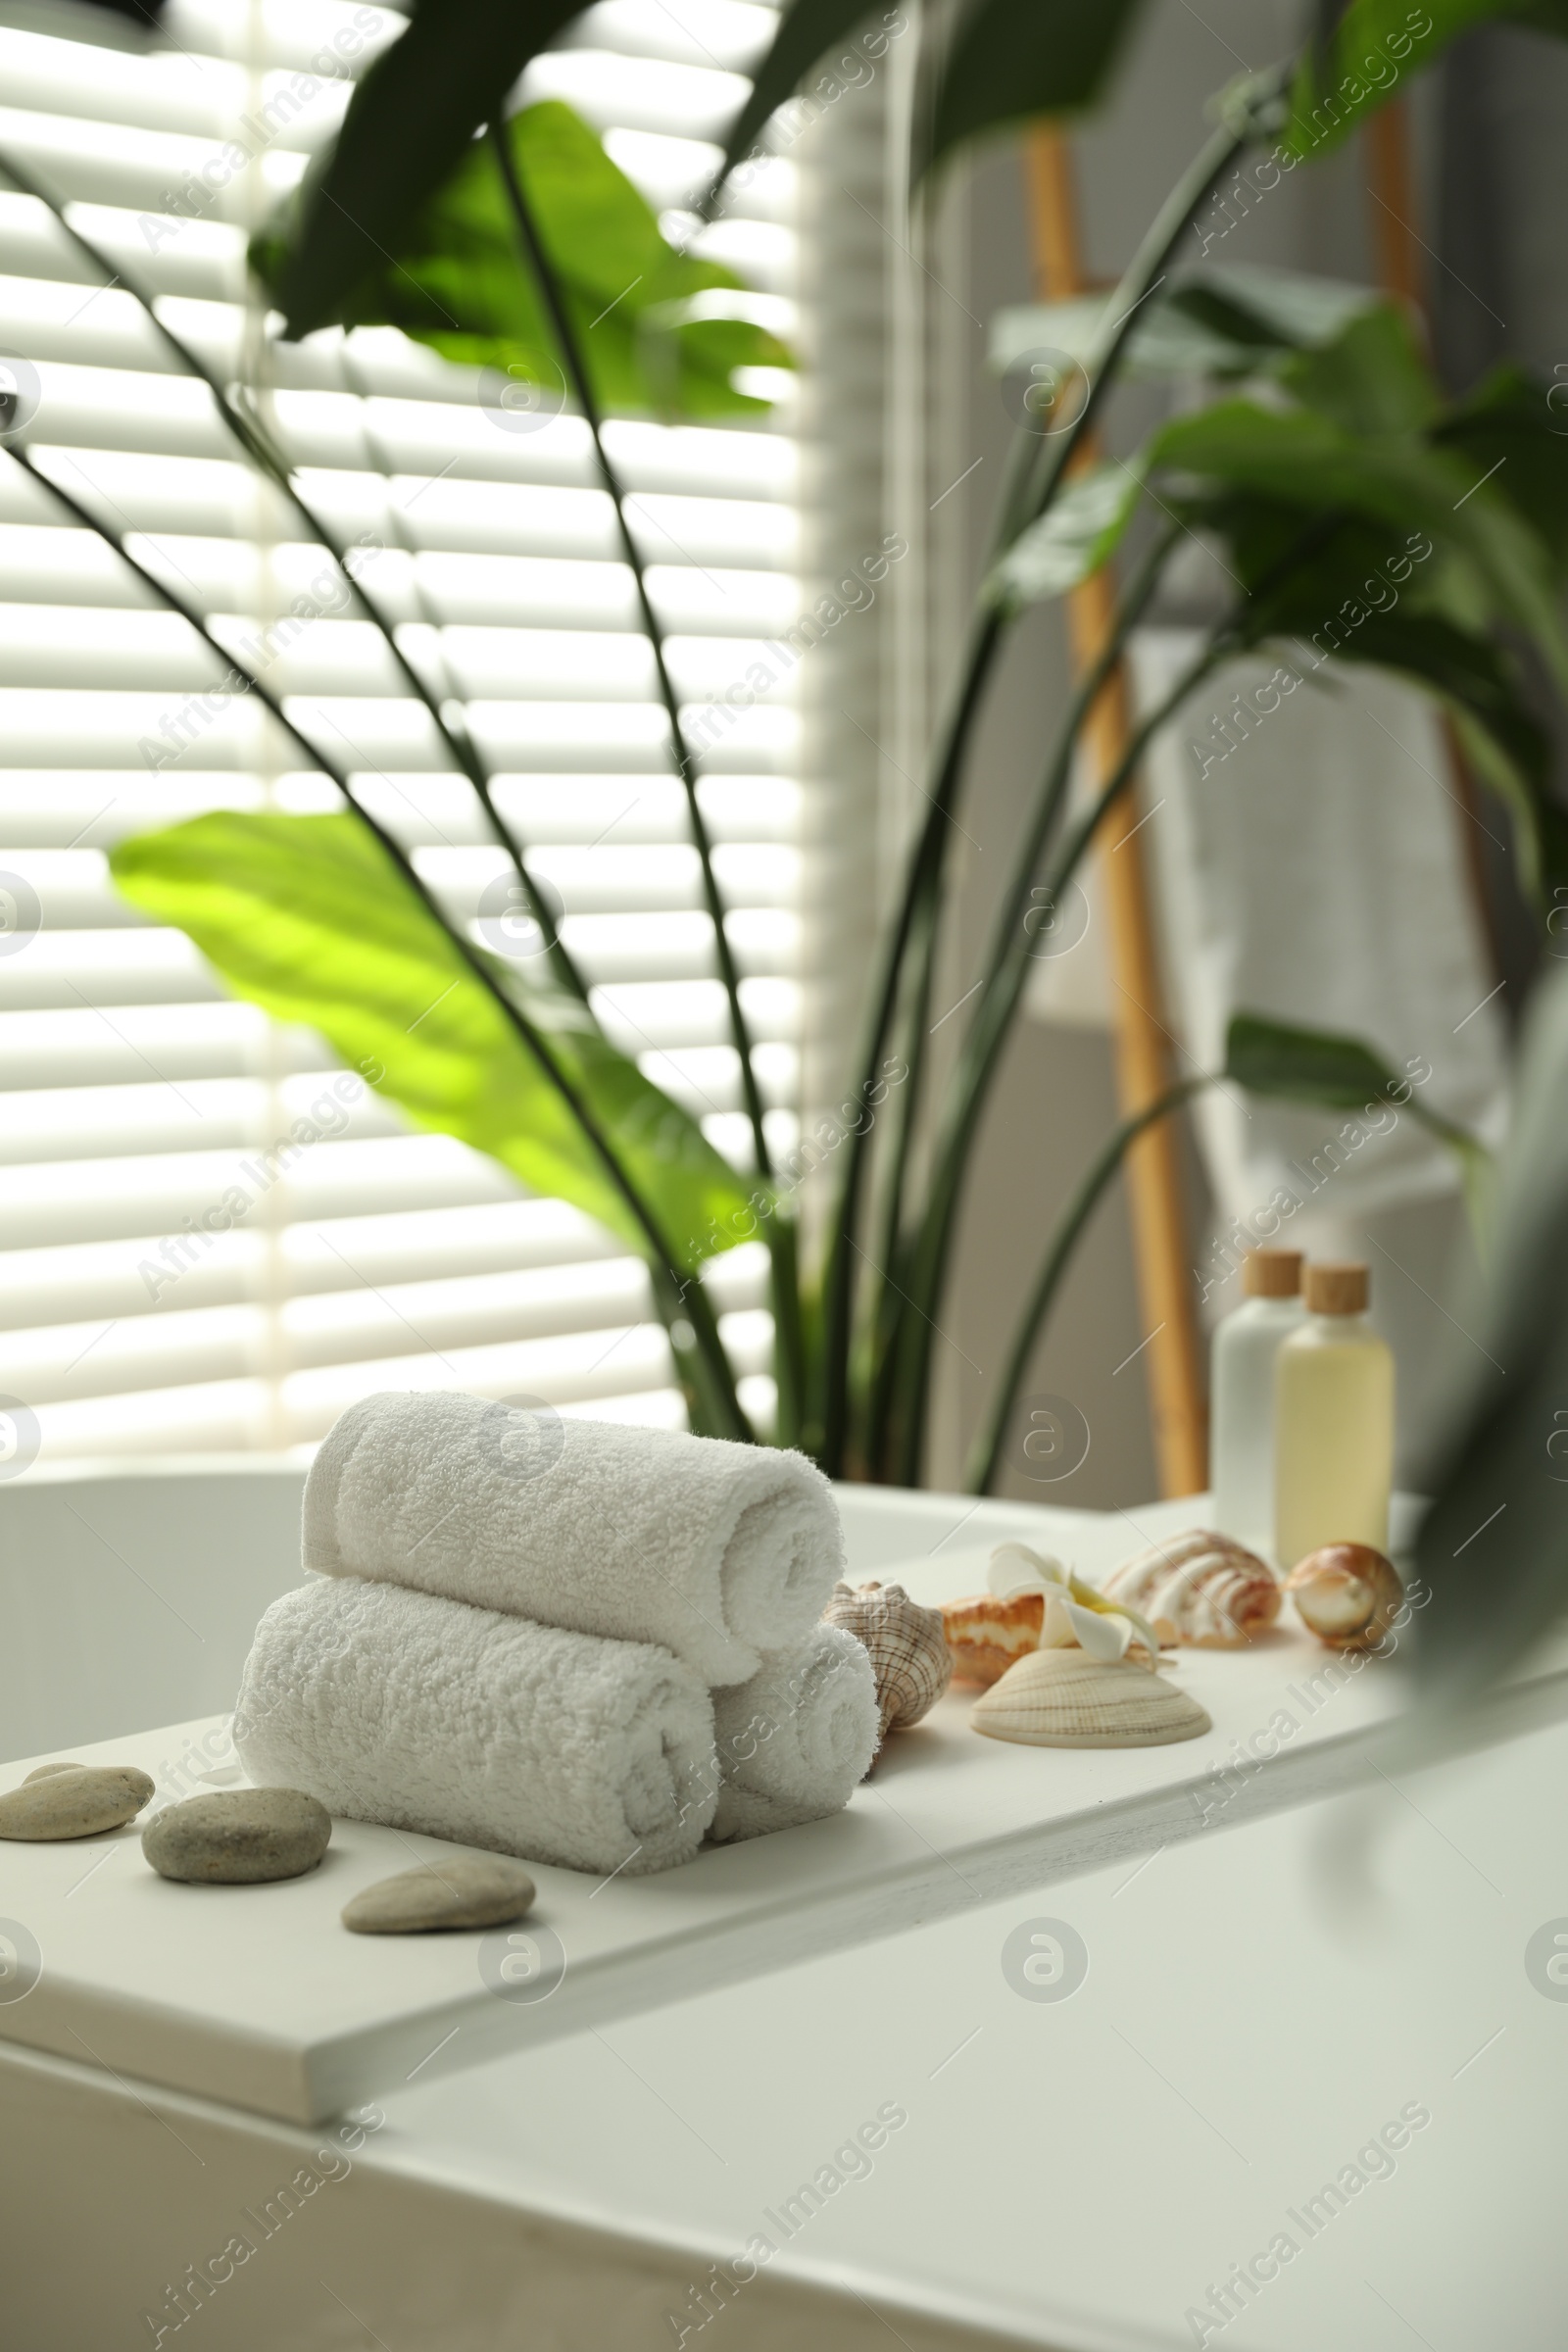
x=1066, y=1698
x=1346, y=1593
x=906, y=1646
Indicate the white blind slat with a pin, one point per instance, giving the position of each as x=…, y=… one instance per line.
x=136, y=1095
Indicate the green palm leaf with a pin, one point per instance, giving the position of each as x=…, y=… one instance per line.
x=306, y=916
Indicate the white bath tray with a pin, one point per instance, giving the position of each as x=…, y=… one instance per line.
x=258, y=1996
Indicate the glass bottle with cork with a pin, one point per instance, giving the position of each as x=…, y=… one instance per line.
x=1332, y=1422
x=1241, y=1456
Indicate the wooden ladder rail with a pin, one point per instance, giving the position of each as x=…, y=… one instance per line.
x=1143, y=1042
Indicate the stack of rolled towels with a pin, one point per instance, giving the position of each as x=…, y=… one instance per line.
x=570, y=1641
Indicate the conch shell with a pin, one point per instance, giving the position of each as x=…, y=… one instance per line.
x=987, y=1635
x=1346, y=1593
x=1200, y=1588
x=906, y=1644
x=1066, y=1698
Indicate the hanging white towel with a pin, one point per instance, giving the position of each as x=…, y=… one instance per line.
x=1309, y=860
x=723, y=1553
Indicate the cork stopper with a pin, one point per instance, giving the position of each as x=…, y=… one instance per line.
x=1337, y=1289
x=1271, y=1273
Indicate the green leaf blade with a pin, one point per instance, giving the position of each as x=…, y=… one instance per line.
x=1494, y=1548
x=306, y=917
x=1370, y=378
x=1287, y=1063
x=649, y=320
x=1013, y=60
x=408, y=124
x=1308, y=461
x=1499, y=431
x=1228, y=320
x=1304, y=1065
x=1377, y=45
x=1072, y=540
x=807, y=30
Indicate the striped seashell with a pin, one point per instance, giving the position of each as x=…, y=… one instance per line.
x=906, y=1644
x=1066, y=1698
x=1200, y=1588
x=986, y=1635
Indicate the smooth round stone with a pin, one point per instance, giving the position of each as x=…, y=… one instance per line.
x=238, y=1836
x=468, y=1891
x=74, y=1801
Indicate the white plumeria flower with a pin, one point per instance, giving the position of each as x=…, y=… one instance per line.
x=1075, y=1614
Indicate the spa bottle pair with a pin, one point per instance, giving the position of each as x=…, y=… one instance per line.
x=1301, y=1452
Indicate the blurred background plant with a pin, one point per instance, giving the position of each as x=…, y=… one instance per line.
x=512, y=242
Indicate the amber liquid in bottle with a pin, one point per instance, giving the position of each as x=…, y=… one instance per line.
x=1333, y=1423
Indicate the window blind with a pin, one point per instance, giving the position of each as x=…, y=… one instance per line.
x=135, y=1094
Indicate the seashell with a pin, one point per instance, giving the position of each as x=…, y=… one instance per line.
x=1346, y=1593
x=906, y=1646
x=986, y=1635
x=1200, y=1588
x=1074, y=1613
x=1066, y=1698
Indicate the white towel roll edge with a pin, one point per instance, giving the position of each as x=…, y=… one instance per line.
x=796, y=1741
x=723, y=1553
x=467, y=1724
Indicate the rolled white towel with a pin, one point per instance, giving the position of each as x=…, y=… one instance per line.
x=430, y=1715
x=796, y=1741
x=723, y=1553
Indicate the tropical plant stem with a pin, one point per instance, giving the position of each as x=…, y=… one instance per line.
x=1057, y=777
x=1478, y=1174
x=868, y=1423
x=1145, y=272
x=442, y=697
x=683, y=759
x=923, y=876
x=1042, y=483
x=1002, y=987
x=929, y=1261
x=677, y=1297
x=1055, y=454
x=920, y=881
x=1008, y=968
x=258, y=446
x=781, y=1229
x=870, y=1397
x=985, y=1455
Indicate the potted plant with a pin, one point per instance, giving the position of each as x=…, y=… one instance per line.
x=1332, y=439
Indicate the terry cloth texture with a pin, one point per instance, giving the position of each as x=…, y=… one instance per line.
x=723, y=1553
x=796, y=1739
x=432, y=1715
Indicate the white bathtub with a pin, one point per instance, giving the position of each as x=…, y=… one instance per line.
x=129, y=1589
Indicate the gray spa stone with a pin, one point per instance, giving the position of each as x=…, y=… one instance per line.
x=238, y=1836
x=471, y=1891
x=74, y=1801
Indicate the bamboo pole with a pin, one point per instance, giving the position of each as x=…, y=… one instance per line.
x=1143, y=1042
x=1396, y=247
